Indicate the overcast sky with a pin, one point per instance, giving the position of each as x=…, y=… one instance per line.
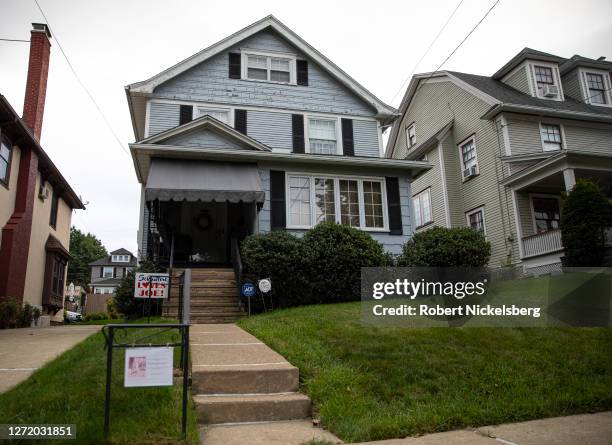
x=112, y=43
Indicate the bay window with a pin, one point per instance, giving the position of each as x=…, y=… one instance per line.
x=356, y=202
x=322, y=137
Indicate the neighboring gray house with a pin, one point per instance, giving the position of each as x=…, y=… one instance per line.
x=505, y=147
x=107, y=272
x=260, y=132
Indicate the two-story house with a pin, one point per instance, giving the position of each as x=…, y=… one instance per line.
x=260, y=132
x=504, y=148
x=36, y=201
x=107, y=272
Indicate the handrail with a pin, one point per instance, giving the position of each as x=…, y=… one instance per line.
x=540, y=233
x=236, y=262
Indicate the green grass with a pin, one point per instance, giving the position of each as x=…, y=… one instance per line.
x=70, y=389
x=370, y=383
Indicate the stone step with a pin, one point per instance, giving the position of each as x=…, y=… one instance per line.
x=251, y=380
x=221, y=302
x=212, y=282
x=216, y=319
x=251, y=407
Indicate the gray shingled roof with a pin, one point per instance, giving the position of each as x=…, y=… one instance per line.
x=121, y=251
x=508, y=95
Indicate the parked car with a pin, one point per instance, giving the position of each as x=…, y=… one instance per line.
x=73, y=316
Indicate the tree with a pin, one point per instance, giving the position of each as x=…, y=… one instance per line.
x=586, y=213
x=84, y=249
x=124, y=300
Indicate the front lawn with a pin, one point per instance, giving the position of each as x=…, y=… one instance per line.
x=370, y=383
x=70, y=389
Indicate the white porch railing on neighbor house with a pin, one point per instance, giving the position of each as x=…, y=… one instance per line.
x=542, y=243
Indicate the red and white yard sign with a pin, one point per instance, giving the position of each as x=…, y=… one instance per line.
x=151, y=285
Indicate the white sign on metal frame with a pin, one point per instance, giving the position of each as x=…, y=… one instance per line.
x=151, y=285
x=148, y=367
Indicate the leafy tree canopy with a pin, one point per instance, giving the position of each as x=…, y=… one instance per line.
x=84, y=249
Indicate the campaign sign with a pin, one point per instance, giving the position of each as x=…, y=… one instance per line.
x=151, y=285
x=148, y=367
x=248, y=289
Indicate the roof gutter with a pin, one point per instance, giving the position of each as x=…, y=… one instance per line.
x=527, y=109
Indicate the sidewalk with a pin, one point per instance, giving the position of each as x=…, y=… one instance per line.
x=23, y=351
x=583, y=429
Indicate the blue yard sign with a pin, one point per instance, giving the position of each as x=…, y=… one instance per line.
x=248, y=289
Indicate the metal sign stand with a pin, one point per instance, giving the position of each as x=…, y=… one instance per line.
x=109, y=334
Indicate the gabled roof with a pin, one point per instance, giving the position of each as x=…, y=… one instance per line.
x=577, y=60
x=207, y=122
x=121, y=251
x=434, y=140
x=524, y=54
x=147, y=86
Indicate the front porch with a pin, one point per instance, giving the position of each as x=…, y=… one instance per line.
x=537, y=197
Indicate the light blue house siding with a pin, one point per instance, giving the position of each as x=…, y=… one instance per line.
x=391, y=243
x=209, y=82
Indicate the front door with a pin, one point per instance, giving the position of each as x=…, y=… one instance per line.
x=209, y=231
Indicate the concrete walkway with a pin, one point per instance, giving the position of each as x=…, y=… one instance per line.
x=22, y=351
x=246, y=393
x=583, y=429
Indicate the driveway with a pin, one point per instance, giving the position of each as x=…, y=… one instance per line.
x=22, y=351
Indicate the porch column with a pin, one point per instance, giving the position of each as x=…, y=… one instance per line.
x=569, y=178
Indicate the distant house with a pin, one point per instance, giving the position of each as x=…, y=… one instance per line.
x=36, y=201
x=107, y=272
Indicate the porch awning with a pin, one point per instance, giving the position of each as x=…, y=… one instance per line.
x=191, y=180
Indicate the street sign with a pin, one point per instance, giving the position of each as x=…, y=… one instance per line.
x=265, y=285
x=248, y=289
x=151, y=285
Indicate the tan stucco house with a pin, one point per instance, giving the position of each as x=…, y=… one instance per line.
x=36, y=201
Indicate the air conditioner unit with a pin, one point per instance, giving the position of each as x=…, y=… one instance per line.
x=43, y=192
x=550, y=90
x=470, y=171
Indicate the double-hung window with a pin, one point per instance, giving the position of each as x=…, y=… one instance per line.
x=546, y=213
x=54, y=208
x=108, y=272
x=356, y=202
x=5, y=160
x=475, y=220
x=269, y=67
x=469, y=161
x=411, y=135
x=421, y=204
x=596, y=88
x=57, y=276
x=322, y=136
x=551, y=137
x=544, y=76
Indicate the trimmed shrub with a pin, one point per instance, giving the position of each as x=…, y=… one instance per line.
x=335, y=254
x=279, y=256
x=96, y=316
x=442, y=247
x=586, y=213
x=8, y=313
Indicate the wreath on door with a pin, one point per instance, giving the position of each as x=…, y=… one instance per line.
x=203, y=220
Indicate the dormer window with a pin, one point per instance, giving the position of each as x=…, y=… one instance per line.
x=546, y=81
x=596, y=88
x=120, y=259
x=269, y=67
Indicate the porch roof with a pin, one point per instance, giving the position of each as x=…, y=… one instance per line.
x=558, y=162
x=188, y=180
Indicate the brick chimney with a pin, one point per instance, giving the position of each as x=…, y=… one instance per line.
x=38, y=70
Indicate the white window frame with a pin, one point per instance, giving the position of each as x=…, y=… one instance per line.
x=419, y=197
x=561, y=132
x=337, y=178
x=308, y=117
x=545, y=196
x=245, y=52
x=200, y=111
x=104, y=268
x=585, y=86
x=461, y=164
x=469, y=213
x=556, y=80
x=412, y=126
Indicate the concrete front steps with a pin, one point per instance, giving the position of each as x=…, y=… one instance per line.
x=214, y=296
x=238, y=379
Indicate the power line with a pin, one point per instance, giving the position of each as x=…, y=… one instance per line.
x=106, y=121
x=427, y=50
x=14, y=40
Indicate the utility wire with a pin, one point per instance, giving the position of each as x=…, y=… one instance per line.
x=427, y=50
x=14, y=40
x=106, y=121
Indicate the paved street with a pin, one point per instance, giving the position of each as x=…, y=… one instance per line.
x=22, y=351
